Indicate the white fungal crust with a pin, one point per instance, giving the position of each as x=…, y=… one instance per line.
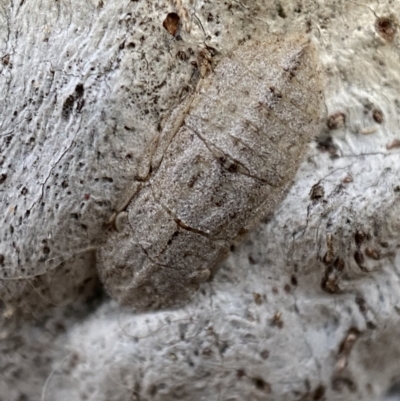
x=229, y=162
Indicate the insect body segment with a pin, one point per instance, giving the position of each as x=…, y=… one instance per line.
x=217, y=169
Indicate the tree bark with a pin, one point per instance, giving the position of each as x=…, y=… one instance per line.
x=305, y=308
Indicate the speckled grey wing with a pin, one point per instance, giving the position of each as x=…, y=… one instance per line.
x=230, y=163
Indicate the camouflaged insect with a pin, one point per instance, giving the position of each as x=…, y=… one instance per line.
x=225, y=158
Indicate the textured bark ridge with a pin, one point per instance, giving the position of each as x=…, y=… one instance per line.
x=228, y=164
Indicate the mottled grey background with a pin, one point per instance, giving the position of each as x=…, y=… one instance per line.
x=305, y=309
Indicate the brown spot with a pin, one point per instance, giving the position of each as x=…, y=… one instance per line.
x=222, y=160
x=3, y=177
x=240, y=373
x=258, y=299
x=277, y=321
x=347, y=179
x=393, y=145
x=261, y=384
x=319, y=392
x=287, y=288
x=233, y=168
x=280, y=10
x=207, y=351
x=174, y=235
x=182, y=55
x=1, y=260
x=326, y=145
x=377, y=115
x=361, y=303
x=386, y=27
x=330, y=282
x=171, y=23
x=6, y=59
x=252, y=261
x=193, y=180
x=243, y=231
x=359, y=258
x=68, y=106
x=336, y=121
x=359, y=237
x=317, y=192
x=372, y=253
x=264, y=354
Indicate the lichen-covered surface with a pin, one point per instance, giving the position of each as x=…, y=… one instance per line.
x=306, y=308
x=82, y=95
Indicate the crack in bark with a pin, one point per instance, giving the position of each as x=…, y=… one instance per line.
x=242, y=142
x=180, y=223
x=234, y=162
x=145, y=252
